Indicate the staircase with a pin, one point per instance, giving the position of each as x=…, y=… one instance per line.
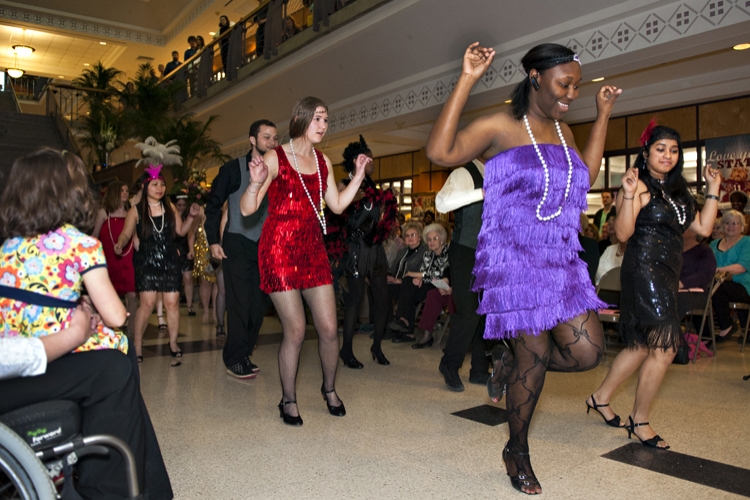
x=7, y=103
x=20, y=134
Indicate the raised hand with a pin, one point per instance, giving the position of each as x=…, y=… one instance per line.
x=630, y=182
x=258, y=170
x=712, y=176
x=194, y=210
x=477, y=60
x=361, y=164
x=605, y=99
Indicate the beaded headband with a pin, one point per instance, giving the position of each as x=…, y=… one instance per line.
x=565, y=59
x=153, y=173
x=647, y=137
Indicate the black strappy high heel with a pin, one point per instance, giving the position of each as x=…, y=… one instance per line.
x=520, y=480
x=652, y=443
x=288, y=419
x=613, y=422
x=336, y=411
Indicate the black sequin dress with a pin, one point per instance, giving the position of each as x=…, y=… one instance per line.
x=650, y=274
x=156, y=262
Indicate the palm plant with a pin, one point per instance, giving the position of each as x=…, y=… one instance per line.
x=196, y=145
x=148, y=105
x=99, y=85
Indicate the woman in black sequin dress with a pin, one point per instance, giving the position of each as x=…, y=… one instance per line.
x=366, y=224
x=654, y=208
x=156, y=261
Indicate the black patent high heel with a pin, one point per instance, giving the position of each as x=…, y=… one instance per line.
x=336, y=411
x=289, y=419
x=613, y=422
x=652, y=443
x=422, y=345
x=520, y=480
x=351, y=362
x=382, y=360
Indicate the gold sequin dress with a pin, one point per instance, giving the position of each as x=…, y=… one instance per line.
x=202, y=257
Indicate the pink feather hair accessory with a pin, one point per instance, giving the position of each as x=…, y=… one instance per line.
x=153, y=172
x=646, y=135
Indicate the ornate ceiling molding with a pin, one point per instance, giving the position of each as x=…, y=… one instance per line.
x=55, y=20
x=649, y=28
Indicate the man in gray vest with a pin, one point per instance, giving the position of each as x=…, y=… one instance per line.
x=238, y=249
x=462, y=194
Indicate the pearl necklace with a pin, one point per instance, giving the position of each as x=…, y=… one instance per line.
x=546, y=172
x=318, y=213
x=158, y=231
x=681, y=214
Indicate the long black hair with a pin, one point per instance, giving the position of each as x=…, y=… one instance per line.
x=541, y=58
x=169, y=215
x=674, y=184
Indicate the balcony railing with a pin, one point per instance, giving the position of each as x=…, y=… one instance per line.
x=259, y=34
x=29, y=87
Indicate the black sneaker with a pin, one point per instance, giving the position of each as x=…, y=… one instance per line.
x=452, y=380
x=478, y=378
x=253, y=367
x=242, y=371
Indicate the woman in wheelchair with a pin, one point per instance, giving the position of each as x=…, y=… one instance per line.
x=44, y=262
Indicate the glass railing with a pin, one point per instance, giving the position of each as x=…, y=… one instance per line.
x=259, y=34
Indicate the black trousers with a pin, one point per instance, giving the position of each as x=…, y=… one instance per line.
x=104, y=384
x=409, y=296
x=467, y=327
x=246, y=302
x=729, y=291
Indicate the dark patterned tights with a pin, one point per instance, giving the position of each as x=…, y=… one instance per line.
x=292, y=315
x=574, y=346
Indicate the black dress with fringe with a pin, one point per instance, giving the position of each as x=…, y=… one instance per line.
x=650, y=274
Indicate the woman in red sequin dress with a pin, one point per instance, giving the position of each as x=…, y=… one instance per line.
x=292, y=257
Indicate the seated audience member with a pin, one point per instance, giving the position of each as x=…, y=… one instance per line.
x=732, y=254
x=407, y=260
x=428, y=218
x=607, y=211
x=608, y=237
x=394, y=244
x=172, y=65
x=716, y=234
x=190, y=52
x=610, y=259
x=698, y=269
x=416, y=285
x=588, y=240
x=738, y=199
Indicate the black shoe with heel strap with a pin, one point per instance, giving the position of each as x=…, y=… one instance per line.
x=289, y=419
x=336, y=411
x=652, y=443
x=613, y=422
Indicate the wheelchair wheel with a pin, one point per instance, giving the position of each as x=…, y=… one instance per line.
x=22, y=475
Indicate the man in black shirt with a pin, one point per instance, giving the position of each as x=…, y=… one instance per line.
x=239, y=251
x=172, y=65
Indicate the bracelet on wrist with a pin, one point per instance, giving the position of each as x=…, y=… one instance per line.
x=712, y=197
x=631, y=198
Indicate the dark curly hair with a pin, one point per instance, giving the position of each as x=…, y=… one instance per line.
x=352, y=151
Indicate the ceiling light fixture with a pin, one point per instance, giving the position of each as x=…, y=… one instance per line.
x=102, y=43
x=85, y=64
x=742, y=46
x=23, y=50
x=600, y=79
x=508, y=101
x=211, y=33
x=15, y=71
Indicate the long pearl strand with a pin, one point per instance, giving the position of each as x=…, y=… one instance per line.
x=318, y=213
x=557, y=213
x=681, y=214
x=158, y=231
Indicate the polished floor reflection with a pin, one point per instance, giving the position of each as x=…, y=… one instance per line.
x=406, y=436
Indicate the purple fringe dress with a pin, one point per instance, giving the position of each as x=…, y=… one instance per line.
x=528, y=271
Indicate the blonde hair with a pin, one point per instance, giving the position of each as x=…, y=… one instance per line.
x=729, y=214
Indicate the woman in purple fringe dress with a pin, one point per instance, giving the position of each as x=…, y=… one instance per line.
x=536, y=292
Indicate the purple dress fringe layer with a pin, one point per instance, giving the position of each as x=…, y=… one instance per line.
x=528, y=271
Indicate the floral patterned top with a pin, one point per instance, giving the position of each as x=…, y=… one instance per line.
x=41, y=280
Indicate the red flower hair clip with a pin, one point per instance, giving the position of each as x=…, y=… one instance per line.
x=646, y=135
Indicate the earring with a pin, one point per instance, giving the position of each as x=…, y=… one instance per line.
x=534, y=83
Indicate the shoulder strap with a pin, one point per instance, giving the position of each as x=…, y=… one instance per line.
x=475, y=175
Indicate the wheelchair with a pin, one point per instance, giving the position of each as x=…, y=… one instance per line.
x=39, y=446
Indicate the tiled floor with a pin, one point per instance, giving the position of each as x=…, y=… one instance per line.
x=223, y=439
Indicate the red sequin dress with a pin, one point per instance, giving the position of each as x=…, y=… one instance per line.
x=119, y=267
x=291, y=252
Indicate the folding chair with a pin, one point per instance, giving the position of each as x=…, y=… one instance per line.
x=742, y=306
x=707, y=315
x=610, y=282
